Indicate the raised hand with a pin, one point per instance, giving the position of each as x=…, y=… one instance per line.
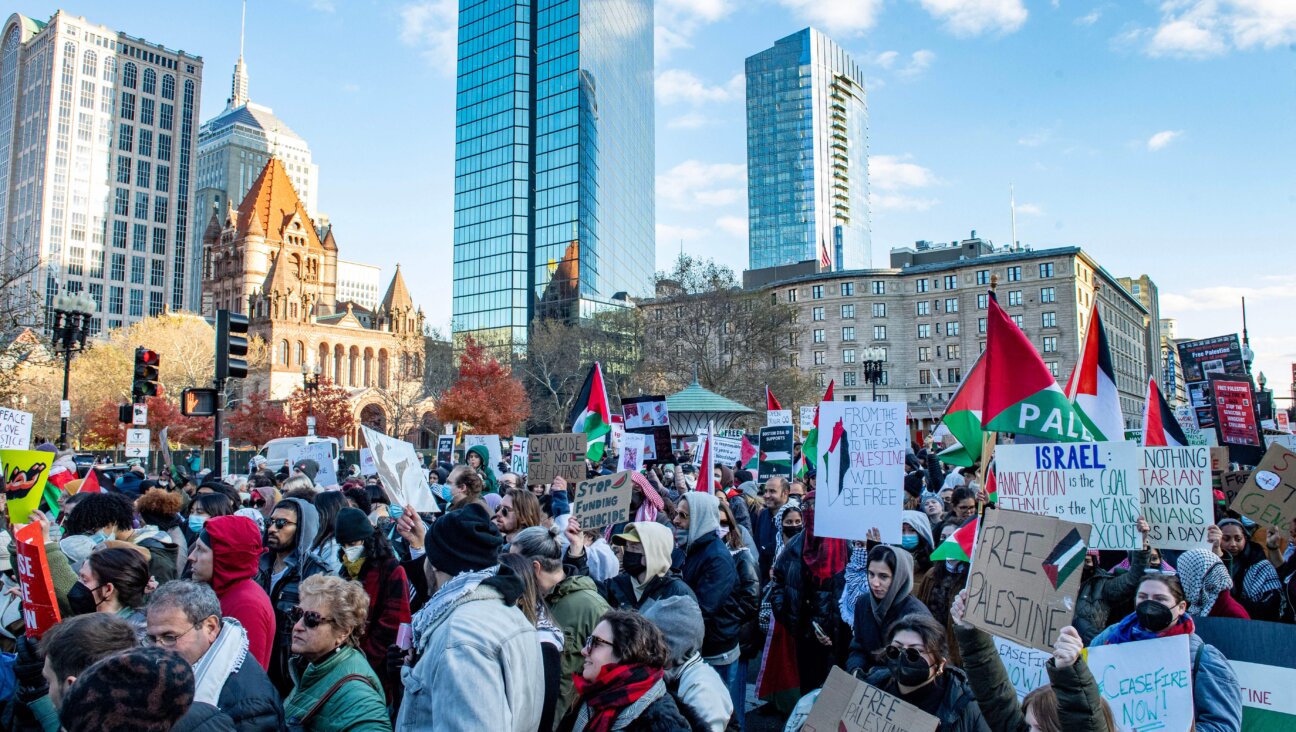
x=1067, y=647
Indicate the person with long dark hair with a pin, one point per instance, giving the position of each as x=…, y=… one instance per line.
x=552, y=641
x=112, y=580
x=367, y=557
x=914, y=666
x=1255, y=580
x=325, y=547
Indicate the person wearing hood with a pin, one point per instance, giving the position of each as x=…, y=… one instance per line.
x=1100, y=590
x=710, y=571
x=887, y=572
x=1207, y=586
x=1255, y=580
x=699, y=691
x=285, y=562
x=104, y=516
x=476, y=658
x=913, y=664
x=367, y=557
x=186, y=617
x=916, y=538
x=128, y=484
x=161, y=508
x=478, y=458
x=645, y=567
x=225, y=555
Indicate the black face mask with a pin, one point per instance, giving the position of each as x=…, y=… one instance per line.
x=907, y=672
x=1152, y=615
x=633, y=563
x=81, y=600
x=1087, y=573
x=791, y=531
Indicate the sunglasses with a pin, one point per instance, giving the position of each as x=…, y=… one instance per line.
x=309, y=618
x=911, y=655
x=279, y=523
x=593, y=642
x=505, y=511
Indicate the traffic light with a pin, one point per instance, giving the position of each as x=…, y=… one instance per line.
x=198, y=402
x=231, y=345
x=145, y=384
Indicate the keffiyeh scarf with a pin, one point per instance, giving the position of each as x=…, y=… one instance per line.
x=1204, y=577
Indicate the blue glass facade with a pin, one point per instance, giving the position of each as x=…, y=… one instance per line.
x=807, y=155
x=553, y=162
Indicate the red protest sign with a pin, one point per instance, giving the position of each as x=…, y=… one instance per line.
x=40, y=608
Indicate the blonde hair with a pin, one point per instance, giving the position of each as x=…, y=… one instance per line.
x=347, y=603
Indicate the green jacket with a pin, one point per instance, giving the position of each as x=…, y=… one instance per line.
x=355, y=707
x=576, y=606
x=1080, y=706
x=61, y=576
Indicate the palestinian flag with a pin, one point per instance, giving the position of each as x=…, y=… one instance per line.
x=959, y=545
x=91, y=483
x=810, y=445
x=1066, y=557
x=962, y=418
x=1092, y=386
x=991, y=484
x=802, y=467
x=1160, y=428
x=1021, y=395
x=591, y=414
x=771, y=402
x=837, y=458
x=749, y=455
x=706, y=463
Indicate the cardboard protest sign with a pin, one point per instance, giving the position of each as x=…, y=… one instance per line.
x=1025, y=666
x=39, y=603
x=1219, y=459
x=807, y=417
x=1269, y=496
x=645, y=412
x=368, y=466
x=445, y=448
x=1263, y=656
x=602, y=501
x=846, y=704
x=632, y=451
x=778, y=417
x=775, y=453
x=490, y=442
x=322, y=454
x=1147, y=683
x=1085, y=482
x=1232, y=484
x=518, y=464
x=862, y=449
x=1024, y=576
x=26, y=473
x=549, y=456
x=401, y=471
x=15, y=429
x=1175, y=491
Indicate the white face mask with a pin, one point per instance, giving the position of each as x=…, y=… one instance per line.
x=353, y=552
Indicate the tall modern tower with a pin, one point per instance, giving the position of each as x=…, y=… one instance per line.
x=807, y=155
x=98, y=131
x=553, y=163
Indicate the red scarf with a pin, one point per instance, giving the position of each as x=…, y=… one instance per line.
x=824, y=557
x=618, y=686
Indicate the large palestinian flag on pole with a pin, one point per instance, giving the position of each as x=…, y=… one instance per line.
x=810, y=445
x=1092, y=386
x=1160, y=428
x=963, y=418
x=591, y=414
x=1021, y=395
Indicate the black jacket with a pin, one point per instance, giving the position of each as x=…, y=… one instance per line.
x=796, y=597
x=204, y=718
x=619, y=590
x=867, y=635
x=710, y=572
x=747, y=592
x=250, y=700
x=766, y=535
x=663, y=715
x=957, y=710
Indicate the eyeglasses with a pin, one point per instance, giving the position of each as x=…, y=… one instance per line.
x=505, y=511
x=279, y=523
x=911, y=655
x=169, y=640
x=309, y=618
x=593, y=642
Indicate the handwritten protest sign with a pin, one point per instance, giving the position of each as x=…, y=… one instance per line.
x=778, y=418
x=490, y=442
x=632, y=450
x=1269, y=496
x=1232, y=484
x=727, y=451
x=39, y=603
x=1085, y=482
x=25, y=473
x=806, y=418
x=401, y=471
x=602, y=501
x=368, y=466
x=322, y=454
x=549, y=456
x=846, y=704
x=775, y=453
x=1147, y=683
x=519, y=462
x=1025, y=666
x=1025, y=575
x=861, y=469
x=1175, y=492
x=15, y=429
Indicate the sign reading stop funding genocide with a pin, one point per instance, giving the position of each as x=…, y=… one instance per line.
x=602, y=501
x=1175, y=491
x=847, y=704
x=862, y=448
x=1086, y=482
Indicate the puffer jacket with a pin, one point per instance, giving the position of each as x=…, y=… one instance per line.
x=1103, y=591
x=1079, y=703
x=751, y=640
x=957, y=711
x=576, y=606
x=250, y=700
x=284, y=593
x=797, y=599
x=356, y=706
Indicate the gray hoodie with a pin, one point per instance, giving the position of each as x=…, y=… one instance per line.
x=704, y=515
x=693, y=683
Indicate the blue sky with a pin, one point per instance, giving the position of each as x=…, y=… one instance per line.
x=1156, y=134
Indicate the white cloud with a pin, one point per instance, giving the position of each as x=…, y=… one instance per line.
x=1036, y=139
x=919, y=61
x=974, y=17
x=678, y=20
x=1205, y=28
x=895, y=202
x=886, y=59
x=1030, y=209
x=689, y=121
x=432, y=27
x=839, y=17
x=892, y=178
x=1089, y=19
x=677, y=85
x=1267, y=289
x=734, y=225
x=1163, y=138
x=694, y=185
x=323, y=6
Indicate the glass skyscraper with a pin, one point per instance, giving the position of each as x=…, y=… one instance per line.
x=553, y=163
x=807, y=155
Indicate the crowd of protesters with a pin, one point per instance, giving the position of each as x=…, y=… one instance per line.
x=268, y=602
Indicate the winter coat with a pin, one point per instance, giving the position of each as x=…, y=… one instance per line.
x=747, y=591
x=235, y=549
x=389, y=592
x=205, y=718
x=796, y=597
x=1103, y=591
x=655, y=711
x=576, y=606
x=251, y=700
x=710, y=572
x=700, y=694
x=1255, y=583
x=867, y=631
x=957, y=709
x=356, y=706
x=284, y=593
x=741, y=513
x=163, y=552
x=620, y=590
x=1079, y=703
x=765, y=531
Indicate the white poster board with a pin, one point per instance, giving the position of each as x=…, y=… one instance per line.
x=1025, y=665
x=401, y=471
x=492, y=443
x=1176, y=495
x=862, y=449
x=15, y=429
x=726, y=450
x=519, y=462
x=632, y=451
x=778, y=418
x=807, y=419
x=368, y=466
x=322, y=454
x=1147, y=683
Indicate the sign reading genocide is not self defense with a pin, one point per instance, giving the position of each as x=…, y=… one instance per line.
x=549, y=456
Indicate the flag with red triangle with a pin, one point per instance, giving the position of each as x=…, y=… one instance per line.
x=706, y=462
x=91, y=483
x=591, y=415
x=963, y=418
x=1021, y=394
x=810, y=445
x=1092, y=386
x=771, y=402
x=1160, y=428
x=959, y=545
x=749, y=455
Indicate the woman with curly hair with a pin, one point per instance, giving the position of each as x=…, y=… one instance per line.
x=621, y=683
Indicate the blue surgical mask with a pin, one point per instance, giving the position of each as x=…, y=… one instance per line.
x=909, y=541
x=395, y=511
x=99, y=537
x=196, y=523
x=445, y=492
x=952, y=565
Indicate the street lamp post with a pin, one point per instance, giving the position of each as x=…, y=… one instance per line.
x=873, y=358
x=311, y=384
x=71, y=326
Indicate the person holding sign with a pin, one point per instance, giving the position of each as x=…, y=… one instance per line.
x=1070, y=701
x=1162, y=610
x=915, y=667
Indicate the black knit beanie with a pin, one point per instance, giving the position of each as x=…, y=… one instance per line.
x=463, y=540
x=352, y=525
x=122, y=693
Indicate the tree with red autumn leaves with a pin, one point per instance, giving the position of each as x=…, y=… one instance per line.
x=331, y=406
x=104, y=430
x=256, y=421
x=485, y=396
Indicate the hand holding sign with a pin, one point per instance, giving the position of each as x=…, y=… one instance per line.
x=1067, y=647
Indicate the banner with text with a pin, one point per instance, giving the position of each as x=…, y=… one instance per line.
x=632, y=451
x=1025, y=666
x=39, y=603
x=549, y=456
x=806, y=419
x=490, y=442
x=15, y=429
x=1148, y=683
x=862, y=448
x=1269, y=495
x=775, y=453
x=25, y=473
x=846, y=704
x=401, y=471
x=1263, y=655
x=518, y=462
x=778, y=417
x=1199, y=359
x=322, y=454
x=602, y=501
x=445, y=448
x=1175, y=488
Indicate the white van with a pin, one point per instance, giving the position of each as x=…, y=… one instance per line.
x=280, y=449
